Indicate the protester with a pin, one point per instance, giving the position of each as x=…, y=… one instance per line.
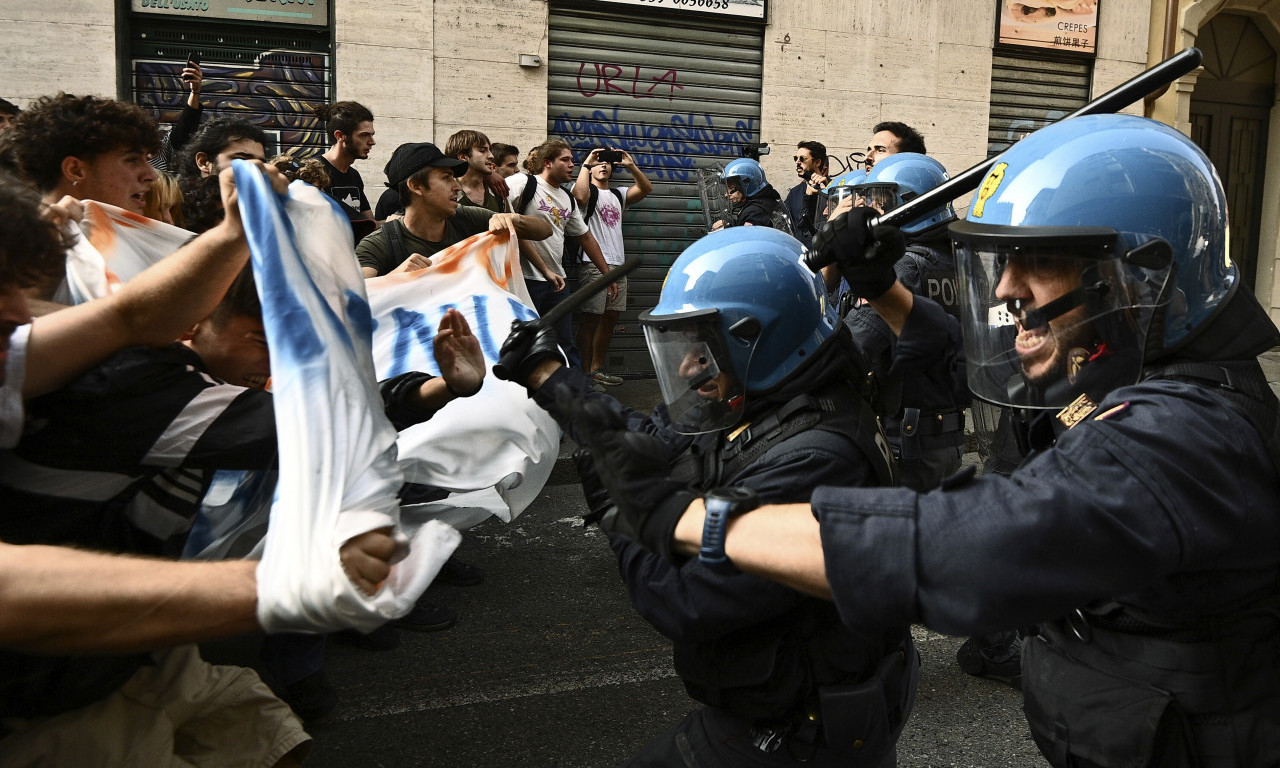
x=603, y=208
x=506, y=159
x=87, y=148
x=349, y=125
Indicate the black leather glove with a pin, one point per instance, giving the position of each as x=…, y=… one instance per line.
x=634, y=471
x=866, y=257
x=529, y=343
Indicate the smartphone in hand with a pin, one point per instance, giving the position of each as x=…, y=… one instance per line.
x=193, y=60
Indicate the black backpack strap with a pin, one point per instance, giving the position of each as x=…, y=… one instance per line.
x=593, y=199
x=526, y=194
x=395, y=241
x=842, y=412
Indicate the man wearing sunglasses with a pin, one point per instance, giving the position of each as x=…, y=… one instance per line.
x=811, y=166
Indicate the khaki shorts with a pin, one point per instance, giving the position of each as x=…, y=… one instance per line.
x=181, y=712
x=596, y=305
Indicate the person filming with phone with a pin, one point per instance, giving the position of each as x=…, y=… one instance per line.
x=603, y=214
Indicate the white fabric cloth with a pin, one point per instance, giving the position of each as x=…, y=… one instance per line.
x=338, y=472
x=557, y=207
x=495, y=450
x=115, y=246
x=15, y=372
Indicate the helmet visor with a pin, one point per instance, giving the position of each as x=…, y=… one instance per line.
x=882, y=197
x=702, y=390
x=1045, y=323
x=833, y=197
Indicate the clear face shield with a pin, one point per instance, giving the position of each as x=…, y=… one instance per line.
x=834, y=196
x=882, y=197
x=1048, y=320
x=714, y=193
x=702, y=390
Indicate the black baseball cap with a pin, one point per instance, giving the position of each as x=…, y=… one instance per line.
x=408, y=159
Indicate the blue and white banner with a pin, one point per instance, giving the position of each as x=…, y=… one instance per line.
x=494, y=451
x=339, y=476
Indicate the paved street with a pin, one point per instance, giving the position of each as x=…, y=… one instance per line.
x=549, y=666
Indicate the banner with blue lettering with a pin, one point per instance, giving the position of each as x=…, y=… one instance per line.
x=494, y=451
x=339, y=475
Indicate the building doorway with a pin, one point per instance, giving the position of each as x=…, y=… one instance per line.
x=1230, y=110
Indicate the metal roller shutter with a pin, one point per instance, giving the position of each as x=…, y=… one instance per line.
x=1028, y=94
x=679, y=93
x=272, y=77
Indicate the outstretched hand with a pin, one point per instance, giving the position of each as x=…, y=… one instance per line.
x=457, y=352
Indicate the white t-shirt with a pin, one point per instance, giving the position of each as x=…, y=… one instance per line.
x=15, y=372
x=556, y=206
x=606, y=224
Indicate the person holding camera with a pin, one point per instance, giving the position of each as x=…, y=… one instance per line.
x=603, y=214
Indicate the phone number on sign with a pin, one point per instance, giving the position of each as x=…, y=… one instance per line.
x=721, y=4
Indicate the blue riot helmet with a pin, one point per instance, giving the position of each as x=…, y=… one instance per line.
x=739, y=312
x=838, y=189
x=748, y=175
x=902, y=177
x=1093, y=245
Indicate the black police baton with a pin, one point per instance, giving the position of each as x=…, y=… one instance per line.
x=508, y=363
x=1110, y=102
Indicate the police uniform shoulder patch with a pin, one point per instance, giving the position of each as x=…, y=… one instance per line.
x=1077, y=412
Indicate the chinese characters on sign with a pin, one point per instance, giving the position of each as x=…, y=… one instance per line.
x=1060, y=25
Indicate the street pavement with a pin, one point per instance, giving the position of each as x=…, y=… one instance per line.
x=549, y=665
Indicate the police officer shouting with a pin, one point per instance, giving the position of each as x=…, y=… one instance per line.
x=1142, y=534
x=760, y=393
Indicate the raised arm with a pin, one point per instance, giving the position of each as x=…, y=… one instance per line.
x=153, y=308
x=642, y=186
x=582, y=184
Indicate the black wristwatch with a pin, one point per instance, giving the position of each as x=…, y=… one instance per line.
x=722, y=504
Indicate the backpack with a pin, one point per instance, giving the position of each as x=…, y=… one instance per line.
x=571, y=254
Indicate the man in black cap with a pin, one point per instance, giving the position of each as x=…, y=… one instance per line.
x=426, y=181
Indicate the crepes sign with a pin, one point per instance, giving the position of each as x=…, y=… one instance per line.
x=1070, y=26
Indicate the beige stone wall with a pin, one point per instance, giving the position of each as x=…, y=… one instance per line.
x=51, y=47
x=428, y=68
x=833, y=69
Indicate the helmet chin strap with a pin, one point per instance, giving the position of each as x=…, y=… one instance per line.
x=1038, y=318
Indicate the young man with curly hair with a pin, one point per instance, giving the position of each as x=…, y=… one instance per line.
x=87, y=147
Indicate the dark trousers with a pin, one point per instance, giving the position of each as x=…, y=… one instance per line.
x=544, y=299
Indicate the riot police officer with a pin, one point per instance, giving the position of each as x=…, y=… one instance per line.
x=922, y=400
x=752, y=199
x=1142, y=534
x=759, y=392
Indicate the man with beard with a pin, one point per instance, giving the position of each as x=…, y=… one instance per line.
x=803, y=198
x=350, y=125
x=1141, y=535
